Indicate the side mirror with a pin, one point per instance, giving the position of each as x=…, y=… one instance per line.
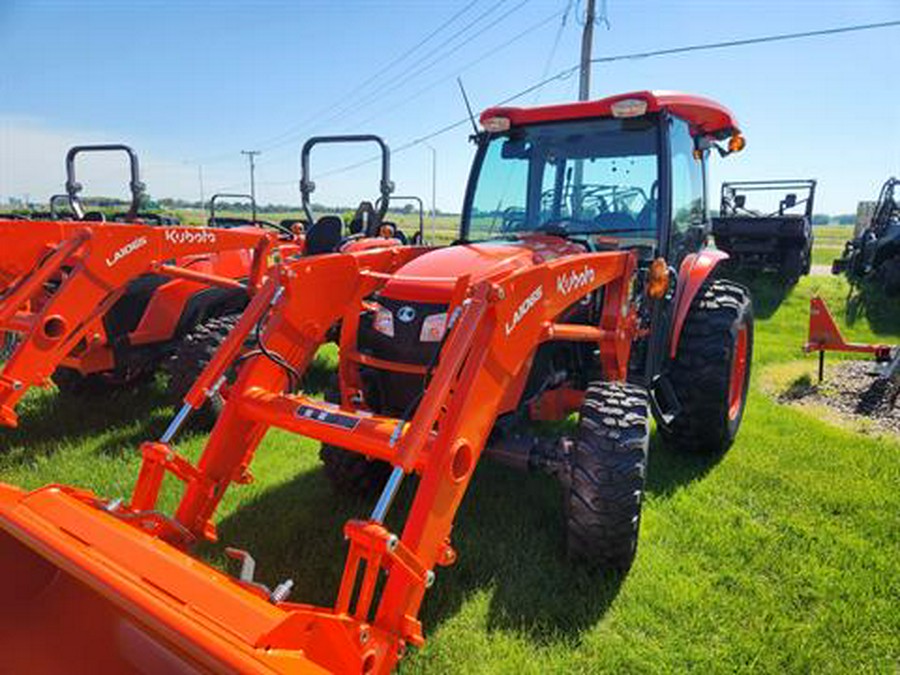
x=739, y=201
x=515, y=149
x=790, y=201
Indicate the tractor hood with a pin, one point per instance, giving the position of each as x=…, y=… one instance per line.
x=430, y=278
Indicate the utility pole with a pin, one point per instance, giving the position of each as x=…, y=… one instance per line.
x=584, y=93
x=433, y=191
x=587, y=42
x=250, y=155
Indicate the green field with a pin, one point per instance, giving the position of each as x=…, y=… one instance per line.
x=781, y=556
x=829, y=242
x=444, y=229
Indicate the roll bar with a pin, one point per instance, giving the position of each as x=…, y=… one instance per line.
x=411, y=198
x=228, y=195
x=73, y=187
x=307, y=186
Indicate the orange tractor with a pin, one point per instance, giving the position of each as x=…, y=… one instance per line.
x=580, y=284
x=93, y=304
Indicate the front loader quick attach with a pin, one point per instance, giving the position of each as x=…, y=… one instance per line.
x=129, y=563
x=59, y=279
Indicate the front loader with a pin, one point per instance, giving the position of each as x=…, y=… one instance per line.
x=568, y=293
x=93, y=304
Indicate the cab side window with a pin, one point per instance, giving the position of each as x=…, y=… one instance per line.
x=688, y=198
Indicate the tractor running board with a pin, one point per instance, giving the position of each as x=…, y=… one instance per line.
x=664, y=401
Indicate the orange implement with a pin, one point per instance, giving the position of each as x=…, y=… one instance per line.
x=824, y=335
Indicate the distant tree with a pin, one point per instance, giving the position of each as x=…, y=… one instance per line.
x=821, y=219
x=846, y=219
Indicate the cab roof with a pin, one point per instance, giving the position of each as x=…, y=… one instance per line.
x=705, y=116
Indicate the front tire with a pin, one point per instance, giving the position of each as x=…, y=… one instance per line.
x=193, y=353
x=350, y=472
x=710, y=373
x=608, y=467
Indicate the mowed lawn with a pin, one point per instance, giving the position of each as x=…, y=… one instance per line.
x=781, y=556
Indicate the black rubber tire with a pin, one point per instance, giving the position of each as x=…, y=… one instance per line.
x=349, y=472
x=700, y=373
x=352, y=473
x=807, y=260
x=792, y=266
x=607, y=469
x=70, y=382
x=193, y=353
x=889, y=275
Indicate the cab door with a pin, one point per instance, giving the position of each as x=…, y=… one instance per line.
x=689, y=217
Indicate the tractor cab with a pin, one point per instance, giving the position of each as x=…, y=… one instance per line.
x=621, y=173
x=627, y=172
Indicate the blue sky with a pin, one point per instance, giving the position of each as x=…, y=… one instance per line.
x=192, y=83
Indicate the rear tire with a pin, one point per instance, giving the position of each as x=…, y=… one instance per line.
x=706, y=374
x=607, y=472
x=792, y=266
x=70, y=382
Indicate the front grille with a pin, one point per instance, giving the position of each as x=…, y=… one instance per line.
x=390, y=392
x=405, y=346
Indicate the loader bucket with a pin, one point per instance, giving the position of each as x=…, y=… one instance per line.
x=85, y=592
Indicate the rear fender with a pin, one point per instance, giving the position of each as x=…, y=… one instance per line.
x=695, y=270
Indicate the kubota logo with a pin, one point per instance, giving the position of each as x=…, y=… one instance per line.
x=524, y=308
x=566, y=283
x=126, y=250
x=198, y=236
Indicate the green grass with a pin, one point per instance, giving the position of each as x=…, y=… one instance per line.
x=781, y=556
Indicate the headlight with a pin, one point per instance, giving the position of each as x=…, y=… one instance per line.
x=433, y=328
x=384, y=321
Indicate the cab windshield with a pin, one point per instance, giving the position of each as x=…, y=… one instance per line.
x=597, y=177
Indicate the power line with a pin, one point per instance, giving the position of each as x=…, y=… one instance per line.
x=435, y=83
x=485, y=55
x=351, y=95
x=748, y=41
x=482, y=57
x=568, y=72
x=415, y=70
x=436, y=57
x=556, y=41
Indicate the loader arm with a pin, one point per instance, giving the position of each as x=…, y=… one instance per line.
x=63, y=277
x=499, y=326
x=128, y=563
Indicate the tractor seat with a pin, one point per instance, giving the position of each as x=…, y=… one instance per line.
x=324, y=236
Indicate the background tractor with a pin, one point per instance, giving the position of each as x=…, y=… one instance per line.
x=874, y=251
x=95, y=303
x=557, y=299
x=779, y=239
